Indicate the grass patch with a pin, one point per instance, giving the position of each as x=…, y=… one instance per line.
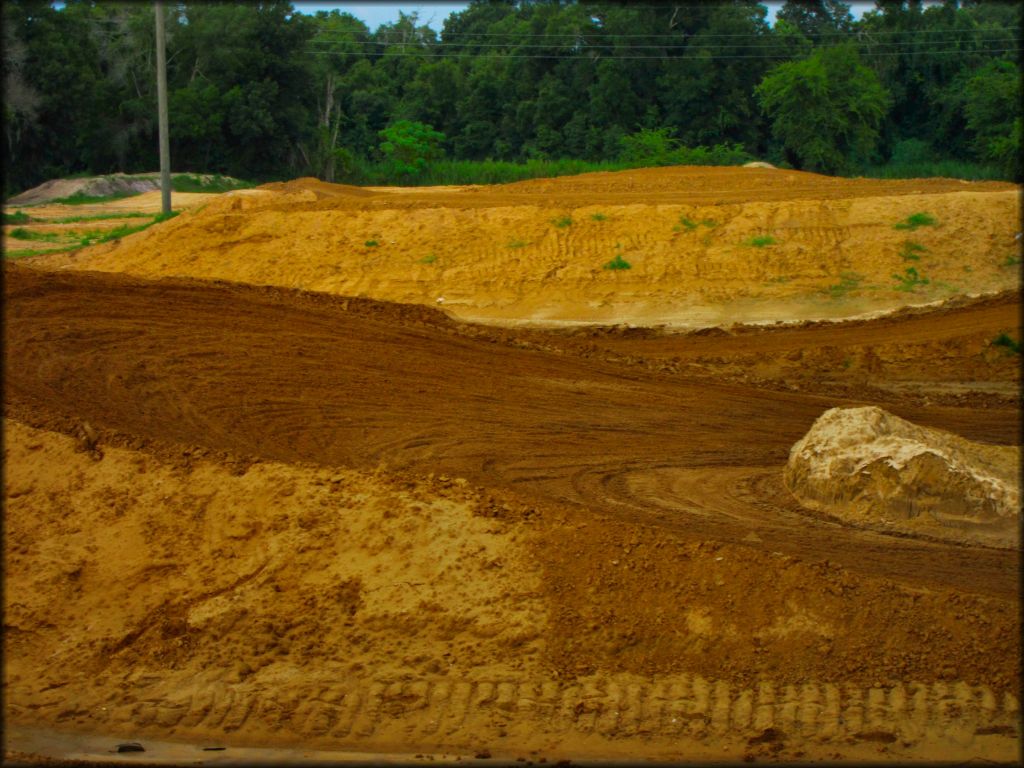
x=912, y=251
x=371, y=244
x=1006, y=341
x=618, y=263
x=709, y=223
x=79, y=199
x=915, y=220
x=161, y=217
x=910, y=280
x=598, y=217
x=27, y=234
x=563, y=222
x=1011, y=261
x=187, y=182
x=517, y=244
x=848, y=281
x=761, y=241
x=684, y=223
x=430, y=258
x=18, y=217
x=96, y=217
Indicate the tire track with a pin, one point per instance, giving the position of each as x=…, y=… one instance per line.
x=614, y=707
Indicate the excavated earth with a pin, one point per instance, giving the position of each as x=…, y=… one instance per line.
x=248, y=507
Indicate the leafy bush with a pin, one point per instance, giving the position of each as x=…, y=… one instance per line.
x=18, y=217
x=1006, y=341
x=915, y=220
x=618, y=263
x=410, y=146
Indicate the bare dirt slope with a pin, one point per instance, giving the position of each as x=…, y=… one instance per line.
x=704, y=245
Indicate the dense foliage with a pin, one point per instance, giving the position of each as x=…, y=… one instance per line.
x=262, y=90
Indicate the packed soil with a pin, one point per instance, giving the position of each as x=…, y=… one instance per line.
x=259, y=516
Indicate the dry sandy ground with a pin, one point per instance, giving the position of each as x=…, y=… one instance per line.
x=535, y=251
x=254, y=516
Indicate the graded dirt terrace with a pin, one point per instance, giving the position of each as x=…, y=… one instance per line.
x=705, y=246
x=262, y=489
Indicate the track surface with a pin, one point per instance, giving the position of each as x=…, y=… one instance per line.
x=300, y=377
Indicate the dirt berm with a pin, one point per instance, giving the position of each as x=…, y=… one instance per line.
x=704, y=246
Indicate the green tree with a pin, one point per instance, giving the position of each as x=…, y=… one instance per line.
x=992, y=109
x=410, y=146
x=826, y=109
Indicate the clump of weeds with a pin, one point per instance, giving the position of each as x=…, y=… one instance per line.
x=18, y=217
x=517, y=244
x=598, y=217
x=618, y=263
x=848, y=281
x=912, y=251
x=430, y=258
x=910, y=280
x=761, y=241
x=371, y=243
x=1007, y=342
x=915, y=220
x=563, y=222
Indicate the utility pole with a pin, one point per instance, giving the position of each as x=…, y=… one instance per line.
x=161, y=102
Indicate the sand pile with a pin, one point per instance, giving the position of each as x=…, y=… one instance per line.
x=869, y=466
x=687, y=246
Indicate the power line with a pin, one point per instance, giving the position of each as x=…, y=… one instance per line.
x=612, y=57
x=696, y=44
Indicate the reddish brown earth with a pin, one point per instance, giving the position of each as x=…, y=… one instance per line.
x=634, y=481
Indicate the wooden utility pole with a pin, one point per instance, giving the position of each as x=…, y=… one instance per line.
x=161, y=105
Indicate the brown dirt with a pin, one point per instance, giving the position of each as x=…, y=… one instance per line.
x=262, y=517
x=505, y=254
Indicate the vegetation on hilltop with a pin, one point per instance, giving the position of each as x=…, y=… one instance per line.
x=261, y=91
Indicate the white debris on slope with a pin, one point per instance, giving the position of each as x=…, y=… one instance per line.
x=868, y=466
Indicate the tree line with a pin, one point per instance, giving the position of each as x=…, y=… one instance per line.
x=264, y=91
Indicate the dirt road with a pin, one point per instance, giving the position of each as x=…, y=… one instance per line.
x=294, y=377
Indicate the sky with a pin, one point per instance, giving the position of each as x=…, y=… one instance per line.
x=433, y=14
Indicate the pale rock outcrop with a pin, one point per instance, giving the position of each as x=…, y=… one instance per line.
x=869, y=467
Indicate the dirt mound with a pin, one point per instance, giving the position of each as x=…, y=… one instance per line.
x=682, y=246
x=93, y=186
x=869, y=466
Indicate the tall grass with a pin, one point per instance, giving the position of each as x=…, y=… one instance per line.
x=926, y=169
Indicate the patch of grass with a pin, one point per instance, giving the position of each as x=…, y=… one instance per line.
x=761, y=241
x=23, y=252
x=371, y=244
x=118, y=232
x=517, y=244
x=598, y=217
x=187, y=182
x=18, y=217
x=563, y=222
x=161, y=217
x=1006, y=341
x=915, y=220
x=430, y=258
x=910, y=279
x=848, y=281
x=79, y=199
x=710, y=223
x=912, y=251
x=1011, y=261
x=27, y=234
x=686, y=223
x=97, y=217
x=618, y=263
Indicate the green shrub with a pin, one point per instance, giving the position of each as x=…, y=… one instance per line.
x=618, y=263
x=910, y=280
x=1006, y=341
x=916, y=220
x=371, y=243
x=18, y=217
